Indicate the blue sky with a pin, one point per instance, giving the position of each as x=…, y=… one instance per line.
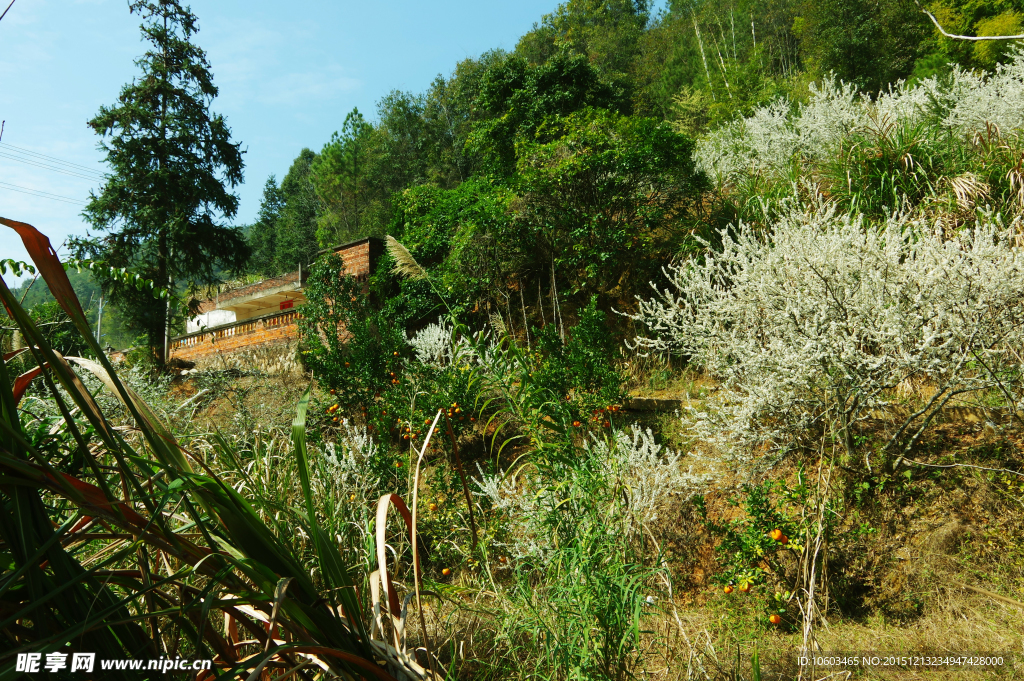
x=287, y=72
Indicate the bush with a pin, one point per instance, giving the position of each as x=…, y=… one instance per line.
x=814, y=327
x=580, y=371
x=909, y=142
x=352, y=347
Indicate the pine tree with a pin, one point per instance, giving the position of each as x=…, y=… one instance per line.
x=172, y=164
x=262, y=235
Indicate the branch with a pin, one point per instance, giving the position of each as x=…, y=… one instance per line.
x=968, y=37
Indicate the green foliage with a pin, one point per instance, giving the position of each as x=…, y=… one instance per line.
x=766, y=552
x=580, y=371
x=518, y=98
x=465, y=237
x=283, y=238
x=748, y=553
x=262, y=234
x=172, y=164
x=606, y=189
x=607, y=33
x=340, y=177
x=349, y=344
x=577, y=607
x=59, y=331
x=871, y=44
x=33, y=292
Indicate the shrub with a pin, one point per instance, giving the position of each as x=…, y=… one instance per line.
x=899, y=144
x=352, y=347
x=814, y=326
x=580, y=590
x=580, y=370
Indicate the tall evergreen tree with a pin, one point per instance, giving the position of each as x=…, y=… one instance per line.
x=262, y=234
x=341, y=180
x=172, y=164
x=297, y=226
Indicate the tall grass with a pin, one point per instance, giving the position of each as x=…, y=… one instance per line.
x=124, y=543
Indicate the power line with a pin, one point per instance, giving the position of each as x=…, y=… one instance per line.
x=44, y=166
x=40, y=194
x=52, y=159
x=7, y=10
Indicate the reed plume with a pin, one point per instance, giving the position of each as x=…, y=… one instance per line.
x=405, y=264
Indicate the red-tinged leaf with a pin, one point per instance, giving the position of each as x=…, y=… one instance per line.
x=81, y=524
x=45, y=258
x=14, y=353
x=22, y=382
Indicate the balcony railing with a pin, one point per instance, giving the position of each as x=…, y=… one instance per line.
x=240, y=328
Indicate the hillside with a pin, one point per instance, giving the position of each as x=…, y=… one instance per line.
x=695, y=351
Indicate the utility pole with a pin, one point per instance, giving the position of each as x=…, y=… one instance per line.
x=99, y=320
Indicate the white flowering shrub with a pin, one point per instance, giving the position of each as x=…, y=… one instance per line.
x=647, y=474
x=780, y=137
x=644, y=476
x=815, y=326
x=433, y=344
x=346, y=459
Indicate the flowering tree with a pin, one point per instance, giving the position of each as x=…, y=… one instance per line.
x=818, y=324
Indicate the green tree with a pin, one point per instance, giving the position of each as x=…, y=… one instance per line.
x=340, y=176
x=297, y=224
x=517, y=97
x=607, y=32
x=262, y=234
x=605, y=198
x=871, y=44
x=172, y=163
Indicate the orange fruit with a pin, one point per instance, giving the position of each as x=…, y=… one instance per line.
x=446, y=572
x=775, y=534
x=728, y=589
x=433, y=507
x=333, y=391
x=352, y=497
x=745, y=587
x=785, y=539
x=575, y=424
x=774, y=619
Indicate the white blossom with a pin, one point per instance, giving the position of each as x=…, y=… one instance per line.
x=777, y=138
x=818, y=322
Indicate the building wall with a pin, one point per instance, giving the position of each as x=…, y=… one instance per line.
x=212, y=349
x=208, y=319
x=270, y=340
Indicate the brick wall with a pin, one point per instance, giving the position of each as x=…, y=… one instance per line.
x=360, y=256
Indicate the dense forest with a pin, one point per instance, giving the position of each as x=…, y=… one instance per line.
x=567, y=163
